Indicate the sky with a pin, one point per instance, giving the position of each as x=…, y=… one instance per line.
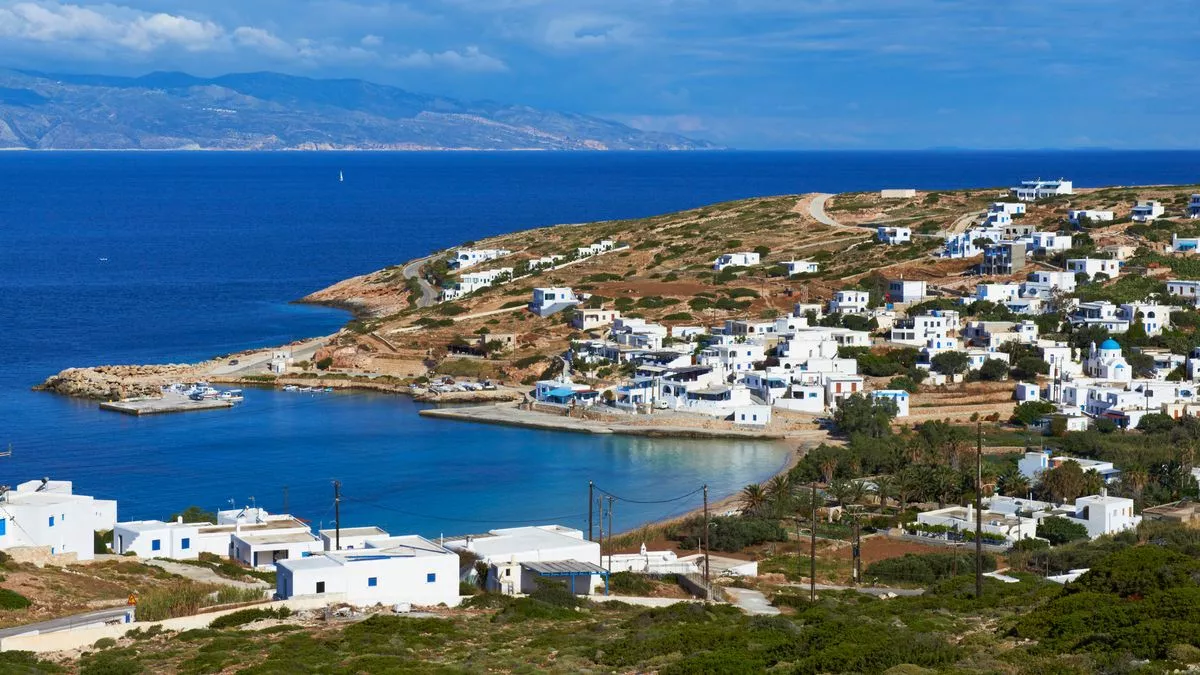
x=755, y=74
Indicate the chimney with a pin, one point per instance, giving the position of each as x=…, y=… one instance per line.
x=1104, y=492
x=179, y=520
x=470, y=543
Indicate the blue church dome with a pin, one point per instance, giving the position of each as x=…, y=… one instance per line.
x=1110, y=344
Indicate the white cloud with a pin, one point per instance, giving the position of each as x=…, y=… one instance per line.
x=371, y=41
x=583, y=31
x=106, y=24
x=469, y=59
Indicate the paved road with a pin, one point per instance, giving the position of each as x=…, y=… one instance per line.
x=751, y=602
x=68, y=622
x=413, y=271
x=816, y=208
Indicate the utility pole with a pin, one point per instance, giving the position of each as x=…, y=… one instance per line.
x=337, y=515
x=812, y=546
x=600, y=503
x=857, y=547
x=591, y=488
x=285, y=499
x=707, y=588
x=610, y=532
x=978, y=510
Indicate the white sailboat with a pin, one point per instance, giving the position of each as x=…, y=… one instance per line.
x=341, y=177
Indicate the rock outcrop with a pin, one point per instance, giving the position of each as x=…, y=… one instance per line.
x=114, y=383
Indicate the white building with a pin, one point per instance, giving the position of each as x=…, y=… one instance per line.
x=906, y=290
x=1104, y=514
x=469, y=282
x=1107, y=363
x=1193, y=207
x=795, y=267
x=466, y=257
x=1050, y=242
x=1146, y=211
x=351, y=538
x=962, y=519
x=596, y=248
x=548, y=301
x=1155, y=318
x=743, y=259
x=1043, y=284
x=918, y=330
x=505, y=548
x=1033, y=190
x=841, y=387
x=1189, y=290
x=732, y=358
x=588, y=319
x=897, y=396
x=893, y=235
x=1011, y=208
x=753, y=415
x=47, y=514
x=897, y=193
x=997, y=293
x=279, y=538
x=1075, y=215
x=408, y=569
x=1034, y=463
x=175, y=540
x=1183, y=244
x=1093, y=266
x=849, y=302
x=997, y=219
x=1101, y=313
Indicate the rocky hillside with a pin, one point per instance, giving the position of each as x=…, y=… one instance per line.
x=270, y=111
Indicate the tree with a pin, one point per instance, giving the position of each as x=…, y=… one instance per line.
x=1133, y=482
x=885, y=487
x=869, y=416
x=1066, y=482
x=752, y=499
x=1059, y=530
x=195, y=514
x=1029, y=412
x=993, y=370
x=1156, y=423
x=950, y=363
x=1029, y=367
x=1141, y=362
x=903, y=382
x=1013, y=483
x=325, y=363
x=780, y=492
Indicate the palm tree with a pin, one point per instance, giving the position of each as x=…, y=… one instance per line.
x=946, y=485
x=1014, y=484
x=1135, y=480
x=828, y=468
x=885, y=486
x=753, y=498
x=841, y=491
x=780, y=494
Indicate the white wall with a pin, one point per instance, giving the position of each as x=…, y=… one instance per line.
x=398, y=579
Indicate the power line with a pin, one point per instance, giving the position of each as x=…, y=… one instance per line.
x=655, y=501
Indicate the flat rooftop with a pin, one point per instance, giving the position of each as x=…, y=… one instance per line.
x=260, y=528
x=409, y=545
x=521, y=540
x=356, y=532
x=289, y=538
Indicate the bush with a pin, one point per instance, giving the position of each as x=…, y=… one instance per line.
x=12, y=600
x=628, y=583
x=325, y=363
x=245, y=616
x=903, y=382
x=731, y=534
x=1029, y=412
x=993, y=370
x=925, y=568
x=104, y=643
x=1058, y=530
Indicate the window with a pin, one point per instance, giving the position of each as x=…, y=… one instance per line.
x=373, y=581
x=156, y=545
x=508, y=572
x=3, y=527
x=320, y=586
x=185, y=543
x=51, y=521
x=430, y=578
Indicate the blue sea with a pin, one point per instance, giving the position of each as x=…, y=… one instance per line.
x=205, y=252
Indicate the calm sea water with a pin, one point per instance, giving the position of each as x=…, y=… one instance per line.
x=205, y=251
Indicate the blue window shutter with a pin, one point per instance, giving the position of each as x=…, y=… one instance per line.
x=51, y=521
x=156, y=545
x=186, y=543
x=431, y=578
x=373, y=581
x=3, y=526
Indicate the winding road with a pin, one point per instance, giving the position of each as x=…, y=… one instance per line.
x=816, y=208
x=413, y=271
x=86, y=619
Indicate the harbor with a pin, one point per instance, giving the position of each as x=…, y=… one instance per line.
x=169, y=403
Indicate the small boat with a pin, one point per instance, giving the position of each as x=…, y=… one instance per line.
x=291, y=387
x=104, y=260
x=232, y=395
x=341, y=177
x=328, y=390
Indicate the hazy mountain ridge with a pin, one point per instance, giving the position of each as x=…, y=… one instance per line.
x=271, y=111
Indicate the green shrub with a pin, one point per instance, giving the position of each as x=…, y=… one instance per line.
x=10, y=599
x=245, y=616
x=925, y=568
x=325, y=363
x=104, y=643
x=628, y=583
x=1057, y=530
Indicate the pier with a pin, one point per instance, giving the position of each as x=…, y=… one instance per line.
x=170, y=403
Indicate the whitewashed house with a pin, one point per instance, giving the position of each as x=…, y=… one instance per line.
x=1188, y=290
x=1193, y=207
x=469, y=282
x=283, y=540
x=743, y=259
x=1101, y=313
x=397, y=570
x=1034, y=463
x=1011, y=208
x=1094, y=266
x=1146, y=211
x=1075, y=215
x=596, y=248
x=1050, y=242
x=733, y=358
x=918, y=330
x=174, y=540
x=466, y=257
x=351, y=538
x=1183, y=244
x=898, y=397
x=1155, y=318
x=795, y=267
x=48, y=514
x=997, y=293
x=841, y=387
x=1033, y=190
x=548, y=301
x=1044, y=284
x=752, y=415
x=505, y=549
x=590, y=319
x=907, y=290
x=962, y=519
x=849, y=302
x=893, y=235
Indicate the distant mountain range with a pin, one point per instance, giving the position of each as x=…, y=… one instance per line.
x=271, y=111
